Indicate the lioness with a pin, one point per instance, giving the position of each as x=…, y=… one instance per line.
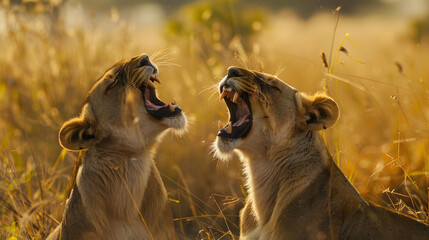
x=295, y=190
x=118, y=192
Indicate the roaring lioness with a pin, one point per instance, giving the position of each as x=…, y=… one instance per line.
x=295, y=190
x=118, y=192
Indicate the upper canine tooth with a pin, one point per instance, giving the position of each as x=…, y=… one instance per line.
x=229, y=128
x=151, y=84
x=222, y=96
x=219, y=125
x=155, y=78
x=236, y=96
x=171, y=107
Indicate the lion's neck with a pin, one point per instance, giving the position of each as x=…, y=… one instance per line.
x=111, y=183
x=282, y=170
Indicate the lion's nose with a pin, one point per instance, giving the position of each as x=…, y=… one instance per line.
x=233, y=72
x=144, y=60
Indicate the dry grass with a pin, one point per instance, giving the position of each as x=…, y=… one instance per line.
x=379, y=78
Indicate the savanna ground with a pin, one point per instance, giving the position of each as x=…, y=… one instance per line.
x=51, y=56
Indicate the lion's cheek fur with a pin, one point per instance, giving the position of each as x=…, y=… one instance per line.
x=177, y=124
x=223, y=149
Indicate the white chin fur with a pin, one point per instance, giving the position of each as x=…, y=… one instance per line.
x=223, y=148
x=177, y=123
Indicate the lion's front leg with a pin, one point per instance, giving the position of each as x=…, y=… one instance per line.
x=248, y=223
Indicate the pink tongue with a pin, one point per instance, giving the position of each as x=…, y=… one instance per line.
x=242, y=113
x=149, y=104
x=242, y=120
x=153, y=106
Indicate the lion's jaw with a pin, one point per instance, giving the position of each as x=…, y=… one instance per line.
x=265, y=135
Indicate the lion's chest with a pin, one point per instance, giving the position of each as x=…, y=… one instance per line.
x=126, y=230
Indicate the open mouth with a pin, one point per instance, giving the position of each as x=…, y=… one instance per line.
x=240, y=120
x=154, y=106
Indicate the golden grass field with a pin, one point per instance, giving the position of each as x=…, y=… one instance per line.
x=378, y=75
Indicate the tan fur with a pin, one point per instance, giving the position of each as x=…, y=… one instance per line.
x=118, y=192
x=295, y=190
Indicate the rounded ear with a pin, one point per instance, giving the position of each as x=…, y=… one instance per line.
x=77, y=134
x=316, y=112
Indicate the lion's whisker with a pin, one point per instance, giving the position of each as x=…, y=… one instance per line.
x=163, y=55
x=212, y=89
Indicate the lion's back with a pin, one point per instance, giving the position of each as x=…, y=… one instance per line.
x=373, y=222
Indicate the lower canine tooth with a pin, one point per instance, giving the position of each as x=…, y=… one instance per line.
x=236, y=96
x=174, y=101
x=229, y=128
x=219, y=125
x=171, y=107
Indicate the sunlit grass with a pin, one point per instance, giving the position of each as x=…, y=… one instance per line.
x=379, y=78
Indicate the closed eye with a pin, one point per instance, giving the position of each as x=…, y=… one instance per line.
x=116, y=77
x=116, y=82
x=111, y=85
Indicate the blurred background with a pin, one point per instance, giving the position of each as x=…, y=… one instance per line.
x=371, y=56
